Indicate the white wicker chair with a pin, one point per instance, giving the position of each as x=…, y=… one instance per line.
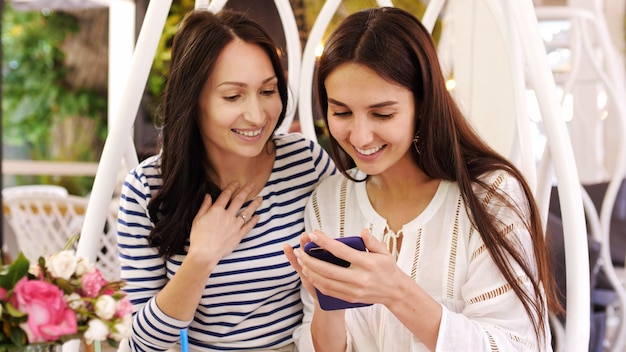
x=44, y=222
x=10, y=192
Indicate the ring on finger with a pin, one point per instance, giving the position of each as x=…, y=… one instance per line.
x=245, y=219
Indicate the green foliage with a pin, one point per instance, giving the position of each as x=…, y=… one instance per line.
x=36, y=97
x=11, y=274
x=11, y=316
x=347, y=7
x=160, y=66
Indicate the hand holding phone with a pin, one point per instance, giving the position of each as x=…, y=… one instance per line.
x=328, y=302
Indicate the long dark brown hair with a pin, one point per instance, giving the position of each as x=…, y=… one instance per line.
x=394, y=44
x=184, y=165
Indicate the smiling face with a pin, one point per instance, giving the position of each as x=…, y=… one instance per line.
x=239, y=105
x=371, y=119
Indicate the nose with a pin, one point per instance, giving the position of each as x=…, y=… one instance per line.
x=255, y=112
x=361, y=133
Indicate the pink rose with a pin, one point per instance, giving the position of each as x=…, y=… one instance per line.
x=92, y=282
x=3, y=294
x=123, y=308
x=49, y=317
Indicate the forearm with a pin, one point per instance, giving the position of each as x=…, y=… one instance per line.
x=328, y=330
x=417, y=311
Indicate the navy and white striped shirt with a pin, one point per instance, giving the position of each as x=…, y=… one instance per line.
x=252, y=298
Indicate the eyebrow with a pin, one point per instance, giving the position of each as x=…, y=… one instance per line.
x=241, y=84
x=377, y=105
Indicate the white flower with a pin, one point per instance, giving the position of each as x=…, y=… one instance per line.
x=122, y=330
x=62, y=264
x=34, y=270
x=97, y=331
x=74, y=301
x=105, y=307
x=84, y=266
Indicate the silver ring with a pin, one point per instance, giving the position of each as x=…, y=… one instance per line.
x=244, y=218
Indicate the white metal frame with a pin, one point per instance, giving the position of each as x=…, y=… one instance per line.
x=526, y=49
x=592, y=40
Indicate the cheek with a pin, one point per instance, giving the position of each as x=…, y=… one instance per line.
x=338, y=129
x=275, y=107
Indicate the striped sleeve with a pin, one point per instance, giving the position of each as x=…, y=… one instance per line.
x=141, y=267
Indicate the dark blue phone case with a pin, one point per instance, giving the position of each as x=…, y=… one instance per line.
x=328, y=302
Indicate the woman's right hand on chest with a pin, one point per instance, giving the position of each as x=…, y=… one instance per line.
x=219, y=226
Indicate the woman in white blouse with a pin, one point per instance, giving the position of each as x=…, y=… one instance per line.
x=456, y=256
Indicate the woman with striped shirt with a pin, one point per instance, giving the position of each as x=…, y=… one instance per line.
x=202, y=224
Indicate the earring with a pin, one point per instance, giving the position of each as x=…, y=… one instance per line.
x=416, y=140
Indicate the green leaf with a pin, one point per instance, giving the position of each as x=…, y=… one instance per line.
x=14, y=312
x=19, y=337
x=14, y=272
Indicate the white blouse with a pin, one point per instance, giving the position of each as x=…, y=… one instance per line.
x=444, y=254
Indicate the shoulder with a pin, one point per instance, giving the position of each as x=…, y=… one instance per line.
x=294, y=148
x=501, y=181
x=148, y=166
x=501, y=190
x=145, y=176
x=296, y=143
x=291, y=141
x=333, y=185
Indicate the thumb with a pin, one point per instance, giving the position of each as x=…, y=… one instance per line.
x=372, y=244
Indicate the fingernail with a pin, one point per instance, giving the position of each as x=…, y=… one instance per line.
x=313, y=237
x=297, y=253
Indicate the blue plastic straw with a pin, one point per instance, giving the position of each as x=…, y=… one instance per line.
x=98, y=347
x=184, y=341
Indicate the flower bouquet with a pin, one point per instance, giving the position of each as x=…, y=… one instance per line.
x=60, y=298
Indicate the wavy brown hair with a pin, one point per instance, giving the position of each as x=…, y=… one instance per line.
x=184, y=166
x=394, y=44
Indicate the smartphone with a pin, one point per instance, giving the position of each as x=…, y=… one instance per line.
x=328, y=302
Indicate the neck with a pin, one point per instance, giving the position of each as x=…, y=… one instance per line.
x=254, y=170
x=398, y=181
x=401, y=193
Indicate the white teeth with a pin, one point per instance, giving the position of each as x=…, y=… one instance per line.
x=368, y=151
x=249, y=133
